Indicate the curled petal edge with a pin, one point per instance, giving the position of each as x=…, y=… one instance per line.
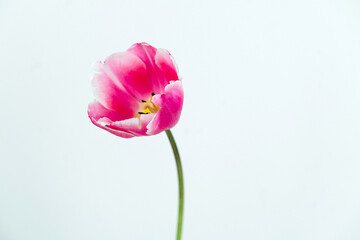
x=171, y=103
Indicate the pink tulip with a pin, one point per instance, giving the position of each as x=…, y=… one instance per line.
x=138, y=92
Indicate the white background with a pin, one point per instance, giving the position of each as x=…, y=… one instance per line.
x=269, y=134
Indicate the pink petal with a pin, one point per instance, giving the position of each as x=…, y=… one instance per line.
x=132, y=125
x=166, y=64
x=113, y=131
x=130, y=74
x=102, y=117
x=171, y=103
x=155, y=75
x=112, y=97
x=96, y=111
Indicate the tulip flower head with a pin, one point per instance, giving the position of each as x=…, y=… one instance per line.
x=138, y=92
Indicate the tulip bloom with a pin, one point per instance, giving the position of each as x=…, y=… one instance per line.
x=138, y=92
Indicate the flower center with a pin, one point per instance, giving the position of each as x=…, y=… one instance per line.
x=147, y=107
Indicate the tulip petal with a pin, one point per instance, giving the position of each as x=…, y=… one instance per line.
x=117, y=123
x=113, y=97
x=129, y=73
x=133, y=126
x=167, y=65
x=171, y=103
x=155, y=75
x=96, y=110
x=102, y=117
x=114, y=131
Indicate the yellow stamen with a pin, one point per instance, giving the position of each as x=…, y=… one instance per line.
x=146, y=107
x=147, y=110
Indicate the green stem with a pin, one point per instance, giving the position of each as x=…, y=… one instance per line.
x=181, y=183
